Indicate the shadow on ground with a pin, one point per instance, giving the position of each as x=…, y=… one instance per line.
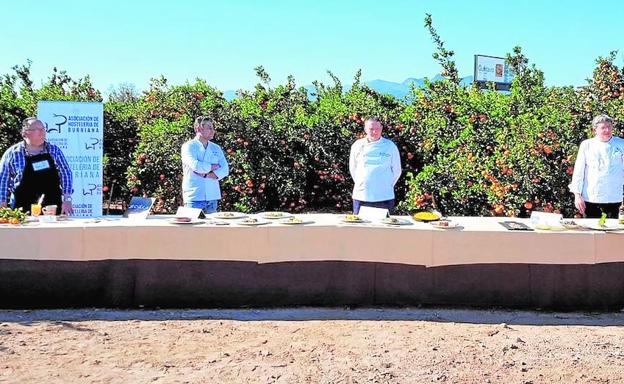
x=468, y=316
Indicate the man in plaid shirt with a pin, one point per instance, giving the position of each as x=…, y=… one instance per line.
x=35, y=167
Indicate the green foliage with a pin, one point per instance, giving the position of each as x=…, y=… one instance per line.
x=120, y=139
x=488, y=153
x=156, y=169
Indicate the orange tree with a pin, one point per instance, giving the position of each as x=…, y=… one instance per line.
x=164, y=118
x=487, y=153
x=286, y=150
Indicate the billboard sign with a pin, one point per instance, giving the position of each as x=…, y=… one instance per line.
x=492, y=69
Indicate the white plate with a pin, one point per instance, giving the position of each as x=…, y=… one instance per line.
x=187, y=222
x=552, y=228
x=243, y=222
x=450, y=225
x=218, y=222
x=275, y=215
x=228, y=215
x=608, y=227
x=302, y=222
x=398, y=222
x=358, y=221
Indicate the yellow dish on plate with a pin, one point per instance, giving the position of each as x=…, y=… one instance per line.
x=426, y=216
x=545, y=227
x=352, y=219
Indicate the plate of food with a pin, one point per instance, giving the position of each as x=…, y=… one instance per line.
x=252, y=221
x=548, y=227
x=427, y=216
x=352, y=219
x=395, y=221
x=184, y=220
x=295, y=221
x=570, y=224
x=229, y=215
x=275, y=215
x=607, y=225
x=444, y=224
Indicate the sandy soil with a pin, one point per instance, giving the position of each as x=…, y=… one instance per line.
x=310, y=346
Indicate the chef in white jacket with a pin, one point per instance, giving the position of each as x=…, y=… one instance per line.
x=204, y=165
x=375, y=167
x=598, y=176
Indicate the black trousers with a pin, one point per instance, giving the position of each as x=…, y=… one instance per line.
x=595, y=210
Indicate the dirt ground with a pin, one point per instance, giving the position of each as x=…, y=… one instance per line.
x=310, y=346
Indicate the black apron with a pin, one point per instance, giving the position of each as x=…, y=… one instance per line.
x=39, y=178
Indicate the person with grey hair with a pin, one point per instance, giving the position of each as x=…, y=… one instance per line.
x=375, y=167
x=33, y=168
x=598, y=177
x=203, y=165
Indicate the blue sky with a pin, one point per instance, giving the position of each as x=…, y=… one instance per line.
x=130, y=41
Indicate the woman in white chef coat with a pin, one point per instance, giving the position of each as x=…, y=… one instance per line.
x=598, y=175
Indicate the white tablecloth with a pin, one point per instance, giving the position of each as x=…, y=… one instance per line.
x=476, y=240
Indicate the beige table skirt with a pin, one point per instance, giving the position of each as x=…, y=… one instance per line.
x=478, y=240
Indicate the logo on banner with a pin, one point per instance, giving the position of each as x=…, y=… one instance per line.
x=93, y=143
x=89, y=190
x=58, y=124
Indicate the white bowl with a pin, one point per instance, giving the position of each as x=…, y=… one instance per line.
x=47, y=219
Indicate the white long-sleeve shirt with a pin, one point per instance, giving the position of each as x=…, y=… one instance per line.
x=375, y=168
x=599, y=170
x=199, y=159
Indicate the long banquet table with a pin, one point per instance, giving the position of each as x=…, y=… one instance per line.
x=128, y=262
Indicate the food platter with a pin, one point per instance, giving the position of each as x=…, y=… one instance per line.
x=184, y=222
x=427, y=216
x=252, y=222
x=352, y=219
x=25, y=223
x=295, y=221
x=275, y=215
x=229, y=215
x=607, y=227
x=570, y=224
x=547, y=227
x=395, y=221
x=444, y=224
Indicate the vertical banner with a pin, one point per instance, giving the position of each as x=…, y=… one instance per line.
x=78, y=129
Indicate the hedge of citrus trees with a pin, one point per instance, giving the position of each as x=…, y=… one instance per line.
x=464, y=150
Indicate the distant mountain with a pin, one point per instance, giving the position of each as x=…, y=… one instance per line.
x=398, y=90
x=401, y=90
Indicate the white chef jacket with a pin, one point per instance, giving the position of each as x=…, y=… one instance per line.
x=374, y=167
x=599, y=170
x=196, y=158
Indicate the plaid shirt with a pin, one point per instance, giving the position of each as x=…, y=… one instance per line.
x=13, y=163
